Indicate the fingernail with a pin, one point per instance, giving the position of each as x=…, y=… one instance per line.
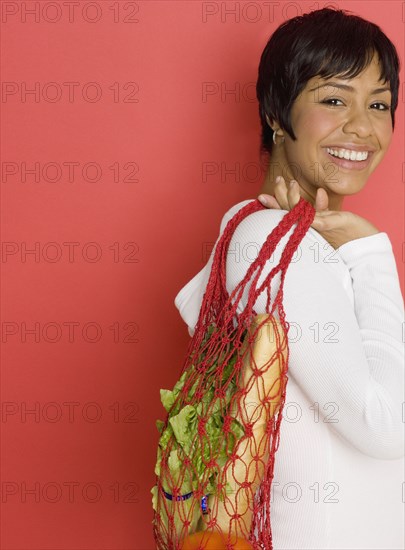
x=291, y=184
x=262, y=199
x=278, y=179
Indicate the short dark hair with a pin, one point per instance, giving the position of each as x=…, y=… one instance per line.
x=326, y=42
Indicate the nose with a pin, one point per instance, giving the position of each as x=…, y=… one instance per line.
x=358, y=122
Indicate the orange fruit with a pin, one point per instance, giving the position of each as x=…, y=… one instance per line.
x=213, y=541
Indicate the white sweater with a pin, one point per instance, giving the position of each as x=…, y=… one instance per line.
x=339, y=469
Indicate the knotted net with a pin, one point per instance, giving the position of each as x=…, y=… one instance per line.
x=216, y=450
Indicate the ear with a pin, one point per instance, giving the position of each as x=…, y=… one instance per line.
x=268, y=121
x=274, y=125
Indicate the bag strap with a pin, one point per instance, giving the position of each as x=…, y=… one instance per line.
x=216, y=294
x=306, y=213
x=303, y=210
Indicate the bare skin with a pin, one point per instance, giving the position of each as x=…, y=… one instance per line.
x=336, y=227
x=322, y=116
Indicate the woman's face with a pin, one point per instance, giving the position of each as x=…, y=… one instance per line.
x=328, y=115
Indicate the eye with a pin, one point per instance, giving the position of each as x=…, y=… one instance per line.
x=385, y=107
x=329, y=100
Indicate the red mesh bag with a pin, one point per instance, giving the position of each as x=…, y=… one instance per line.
x=217, y=446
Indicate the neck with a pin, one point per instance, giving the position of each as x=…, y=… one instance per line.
x=278, y=166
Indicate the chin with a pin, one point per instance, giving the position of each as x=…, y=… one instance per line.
x=345, y=187
x=344, y=191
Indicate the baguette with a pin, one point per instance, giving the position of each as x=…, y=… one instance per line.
x=257, y=407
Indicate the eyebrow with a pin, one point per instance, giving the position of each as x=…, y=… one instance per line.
x=348, y=88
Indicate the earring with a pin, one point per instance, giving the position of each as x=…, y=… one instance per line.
x=274, y=138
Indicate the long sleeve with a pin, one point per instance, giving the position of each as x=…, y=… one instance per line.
x=342, y=434
x=189, y=299
x=346, y=312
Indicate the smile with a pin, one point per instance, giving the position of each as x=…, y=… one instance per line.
x=348, y=154
x=349, y=159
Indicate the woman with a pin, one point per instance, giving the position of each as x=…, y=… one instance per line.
x=328, y=91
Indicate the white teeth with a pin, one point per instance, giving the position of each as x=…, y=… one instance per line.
x=348, y=154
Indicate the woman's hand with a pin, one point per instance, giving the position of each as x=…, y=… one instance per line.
x=336, y=227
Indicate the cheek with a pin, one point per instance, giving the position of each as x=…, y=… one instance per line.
x=315, y=126
x=385, y=134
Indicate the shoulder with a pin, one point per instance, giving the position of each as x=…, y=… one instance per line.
x=259, y=225
x=231, y=212
x=314, y=257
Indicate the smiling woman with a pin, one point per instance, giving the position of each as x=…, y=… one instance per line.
x=344, y=130
x=328, y=91
x=331, y=101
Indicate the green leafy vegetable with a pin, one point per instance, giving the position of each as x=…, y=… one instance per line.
x=183, y=422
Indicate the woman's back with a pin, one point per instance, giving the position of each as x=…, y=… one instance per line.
x=339, y=466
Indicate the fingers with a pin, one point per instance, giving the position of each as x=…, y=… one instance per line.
x=269, y=201
x=293, y=194
x=327, y=220
x=281, y=192
x=321, y=200
x=287, y=196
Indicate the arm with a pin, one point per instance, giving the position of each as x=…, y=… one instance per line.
x=189, y=299
x=363, y=371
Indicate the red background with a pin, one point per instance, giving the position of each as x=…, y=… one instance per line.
x=77, y=471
